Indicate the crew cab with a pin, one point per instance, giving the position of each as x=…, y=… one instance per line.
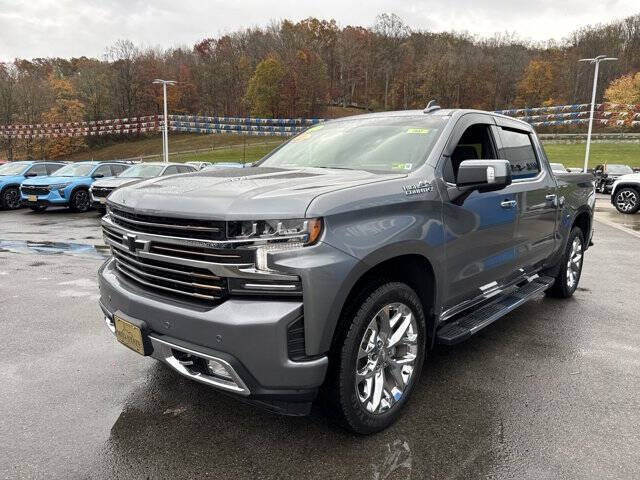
x=69, y=187
x=12, y=174
x=336, y=262
x=101, y=188
x=607, y=174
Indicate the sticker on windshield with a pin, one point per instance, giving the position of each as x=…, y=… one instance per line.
x=306, y=134
x=420, y=131
x=402, y=166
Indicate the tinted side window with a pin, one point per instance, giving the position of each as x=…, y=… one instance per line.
x=171, y=170
x=52, y=167
x=185, y=169
x=103, y=170
x=39, y=170
x=518, y=149
x=118, y=169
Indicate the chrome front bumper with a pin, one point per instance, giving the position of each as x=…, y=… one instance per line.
x=165, y=352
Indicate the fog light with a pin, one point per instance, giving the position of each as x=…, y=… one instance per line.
x=218, y=369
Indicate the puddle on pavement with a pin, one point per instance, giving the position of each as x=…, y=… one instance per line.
x=54, y=248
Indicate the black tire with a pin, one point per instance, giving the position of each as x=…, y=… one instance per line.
x=80, y=200
x=627, y=200
x=38, y=208
x=10, y=199
x=341, y=387
x=565, y=285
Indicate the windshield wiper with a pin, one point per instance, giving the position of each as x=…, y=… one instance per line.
x=334, y=167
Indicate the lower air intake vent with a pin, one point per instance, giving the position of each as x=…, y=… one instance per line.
x=295, y=340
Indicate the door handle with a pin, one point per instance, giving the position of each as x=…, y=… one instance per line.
x=553, y=199
x=508, y=203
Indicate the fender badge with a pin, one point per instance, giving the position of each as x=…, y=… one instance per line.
x=423, y=186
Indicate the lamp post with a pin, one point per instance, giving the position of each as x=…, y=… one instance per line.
x=165, y=134
x=596, y=61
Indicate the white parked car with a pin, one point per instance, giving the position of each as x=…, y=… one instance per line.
x=625, y=193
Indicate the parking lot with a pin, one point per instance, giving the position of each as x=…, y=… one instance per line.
x=550, y=391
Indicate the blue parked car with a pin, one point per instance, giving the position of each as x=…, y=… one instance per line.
x=69, y=187
x=12, y=174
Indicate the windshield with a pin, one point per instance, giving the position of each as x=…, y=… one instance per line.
x=14, y=168
x=142, y=171
x=619, y=169
x=380, y=145
x=75, y=170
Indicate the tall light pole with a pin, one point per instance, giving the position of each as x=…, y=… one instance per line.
x=596, y=61
x=165, y=134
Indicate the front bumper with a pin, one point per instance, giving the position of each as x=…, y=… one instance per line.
x=250, y=335
x=99, y=203
x=52, y=198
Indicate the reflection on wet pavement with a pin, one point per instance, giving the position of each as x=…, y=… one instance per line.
x=54, y=248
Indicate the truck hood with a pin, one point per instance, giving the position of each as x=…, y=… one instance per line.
x=115, y=182
x=240, y=194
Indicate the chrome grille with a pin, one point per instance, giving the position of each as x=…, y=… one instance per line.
x=27, y=190
x=204, y=254
x=165, y=226
x=170, y=277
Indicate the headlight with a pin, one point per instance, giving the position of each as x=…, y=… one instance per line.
x=305, y=230
x=59, y=186
x=277, y=235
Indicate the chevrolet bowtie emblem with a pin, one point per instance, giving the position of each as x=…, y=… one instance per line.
x=132, y=242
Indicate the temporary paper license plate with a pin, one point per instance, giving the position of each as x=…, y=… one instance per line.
x=32, y=198
x=129, y=335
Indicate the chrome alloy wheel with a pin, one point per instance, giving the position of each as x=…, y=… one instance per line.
x=626, y=200
x=574, y=263
x=386, y=357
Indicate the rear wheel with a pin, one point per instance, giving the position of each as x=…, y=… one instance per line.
x=80, y=201
x=627, y=200
x=10, y=198
x=379, y=358
x=570, y=266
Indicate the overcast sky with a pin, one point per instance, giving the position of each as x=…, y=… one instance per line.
x=64, y=28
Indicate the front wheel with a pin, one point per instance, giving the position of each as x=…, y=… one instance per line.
x=570, y=267
x=627, y=200
x=379, y=359
x=80, y=201
x=10, y=198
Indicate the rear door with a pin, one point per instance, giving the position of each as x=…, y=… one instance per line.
x=535, y=194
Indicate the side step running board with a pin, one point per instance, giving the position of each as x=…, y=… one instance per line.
x=462, y=328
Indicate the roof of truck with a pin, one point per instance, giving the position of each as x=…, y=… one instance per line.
x=441, y=112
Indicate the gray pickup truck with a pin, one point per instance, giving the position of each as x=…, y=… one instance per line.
x=332, y=266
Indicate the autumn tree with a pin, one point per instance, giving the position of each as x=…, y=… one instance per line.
x=66, y=108
x=625, y=89
x=536, y=86
x=263, y=95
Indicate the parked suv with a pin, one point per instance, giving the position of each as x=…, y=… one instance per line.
x=101, y=189
x=69, y=187
x=12, y=174
x=625, y=193
x=346, y=254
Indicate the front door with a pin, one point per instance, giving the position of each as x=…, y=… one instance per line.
x=480, y=227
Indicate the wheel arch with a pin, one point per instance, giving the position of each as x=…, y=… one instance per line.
x=584, y=220
x=407, y=266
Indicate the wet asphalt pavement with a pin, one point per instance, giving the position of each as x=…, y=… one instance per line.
x=550, y=391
